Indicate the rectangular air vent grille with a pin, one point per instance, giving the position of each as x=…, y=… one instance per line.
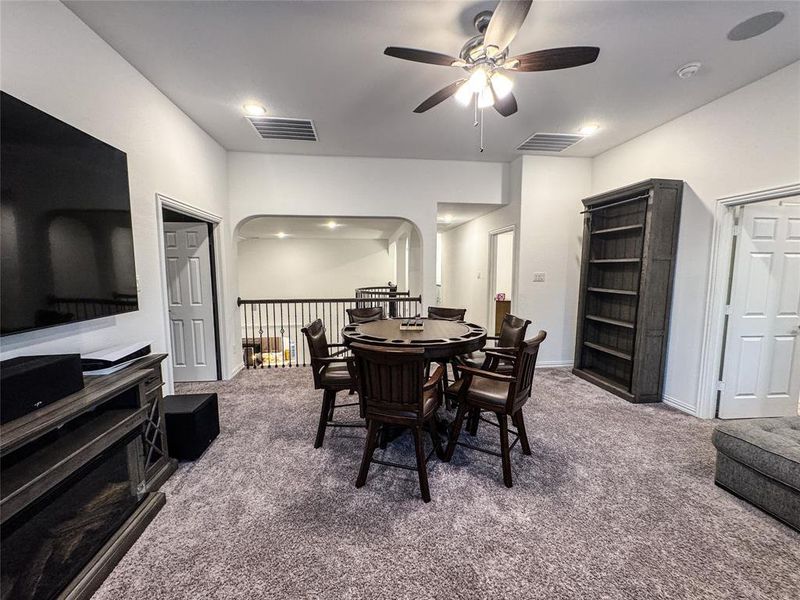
x=550, y=142
x=279, y=128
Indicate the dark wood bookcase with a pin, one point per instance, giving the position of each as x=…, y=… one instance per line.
x=630, y=238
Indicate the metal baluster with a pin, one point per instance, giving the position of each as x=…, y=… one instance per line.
x=269, y=338
x=303, y=318
x=260, y=336
x=283, y=350
x=244, y=345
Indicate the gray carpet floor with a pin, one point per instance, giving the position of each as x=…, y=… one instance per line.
x=617, y=501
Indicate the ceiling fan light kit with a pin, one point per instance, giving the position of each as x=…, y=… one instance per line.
x=485, y=59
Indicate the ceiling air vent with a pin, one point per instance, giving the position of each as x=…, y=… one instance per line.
x=550, y=142
x=279, y=128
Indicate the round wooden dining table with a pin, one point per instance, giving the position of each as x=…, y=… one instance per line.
x=441, y=340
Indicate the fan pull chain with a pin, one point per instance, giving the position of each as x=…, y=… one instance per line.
x=475, y=118
x=481, y=130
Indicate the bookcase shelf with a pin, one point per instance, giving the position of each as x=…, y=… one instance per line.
x=629, y=243
x=622, y=229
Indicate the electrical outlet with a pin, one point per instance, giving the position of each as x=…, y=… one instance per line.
x=538, y=277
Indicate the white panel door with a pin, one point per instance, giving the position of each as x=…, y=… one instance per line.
x=190, y=300
x=761, y=374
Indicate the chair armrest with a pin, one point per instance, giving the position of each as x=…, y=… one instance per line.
x=486, y=374
x=335, y=359
x=344, y=350
x=433, y=380
x=504, y=355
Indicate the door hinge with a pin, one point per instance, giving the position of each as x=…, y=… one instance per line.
x=737, y=229
x=720, y=386
x=728, y=309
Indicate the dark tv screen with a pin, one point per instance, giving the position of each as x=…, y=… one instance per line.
x=66, y=241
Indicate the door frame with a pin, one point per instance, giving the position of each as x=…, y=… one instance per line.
x=491, y=272
x=721, y=263
x=216, y=240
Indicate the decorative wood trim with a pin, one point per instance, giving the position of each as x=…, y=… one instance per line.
x=719, y=270
x=761, y=195
x=163, y=201
x=154, y=482
x=101, y=565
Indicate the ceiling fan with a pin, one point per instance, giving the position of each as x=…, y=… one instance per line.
x=485, y=59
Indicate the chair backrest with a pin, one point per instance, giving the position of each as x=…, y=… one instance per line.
x=446, y=314
x=365, y=315
x=524, y=366
x=317, y=347
x=512, y=331
x=390, y=380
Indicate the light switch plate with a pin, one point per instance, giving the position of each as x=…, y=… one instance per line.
x=538, y=277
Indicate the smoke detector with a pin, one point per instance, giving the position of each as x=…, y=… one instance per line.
x=688, y=70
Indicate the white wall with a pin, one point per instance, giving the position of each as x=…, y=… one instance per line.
x=311, y=268
x=550, y=243
x=465, y=255
x=52, y=60
x=278, y=184
x=746, y=141
x=545, y=208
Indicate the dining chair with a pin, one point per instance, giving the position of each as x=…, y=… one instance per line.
x=332, y=374
x=499, y=393
x=512, y=332
x=365, y=315
x=394, y=391
x=441, y=313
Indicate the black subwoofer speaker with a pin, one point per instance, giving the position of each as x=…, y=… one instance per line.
x=192, y=424
x=28, y=383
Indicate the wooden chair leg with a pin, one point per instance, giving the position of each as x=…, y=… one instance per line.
x=456, y=430
x=332, y=407
x=433, y=425
x=422, y=468
x=327, y=396
x=519, y=421
x=369, y=448
x=502, y=419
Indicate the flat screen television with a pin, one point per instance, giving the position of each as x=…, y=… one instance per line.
x=66, y=241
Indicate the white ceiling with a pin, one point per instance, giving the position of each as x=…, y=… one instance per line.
x=324, y=61
x=317, y=227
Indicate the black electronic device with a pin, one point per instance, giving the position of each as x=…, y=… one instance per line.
x=28, y=383
x=66, y=212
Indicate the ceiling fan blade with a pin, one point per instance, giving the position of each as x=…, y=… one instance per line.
x=554, y=58
x=504, y=25
x=423, y=56
x=506, y=106
x=440, y=96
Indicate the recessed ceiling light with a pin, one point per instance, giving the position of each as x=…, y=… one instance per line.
x=589, y=129
x=754, y=26
x=445, y=218
x=331, y=224
x=253, y=109
x=281, y=234
x=688, y=70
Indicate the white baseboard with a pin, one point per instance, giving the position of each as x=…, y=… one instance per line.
x=680, y=405
x=552, y=364
x=236, y=370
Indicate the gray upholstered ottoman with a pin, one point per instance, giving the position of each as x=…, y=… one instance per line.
x=759, y=461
